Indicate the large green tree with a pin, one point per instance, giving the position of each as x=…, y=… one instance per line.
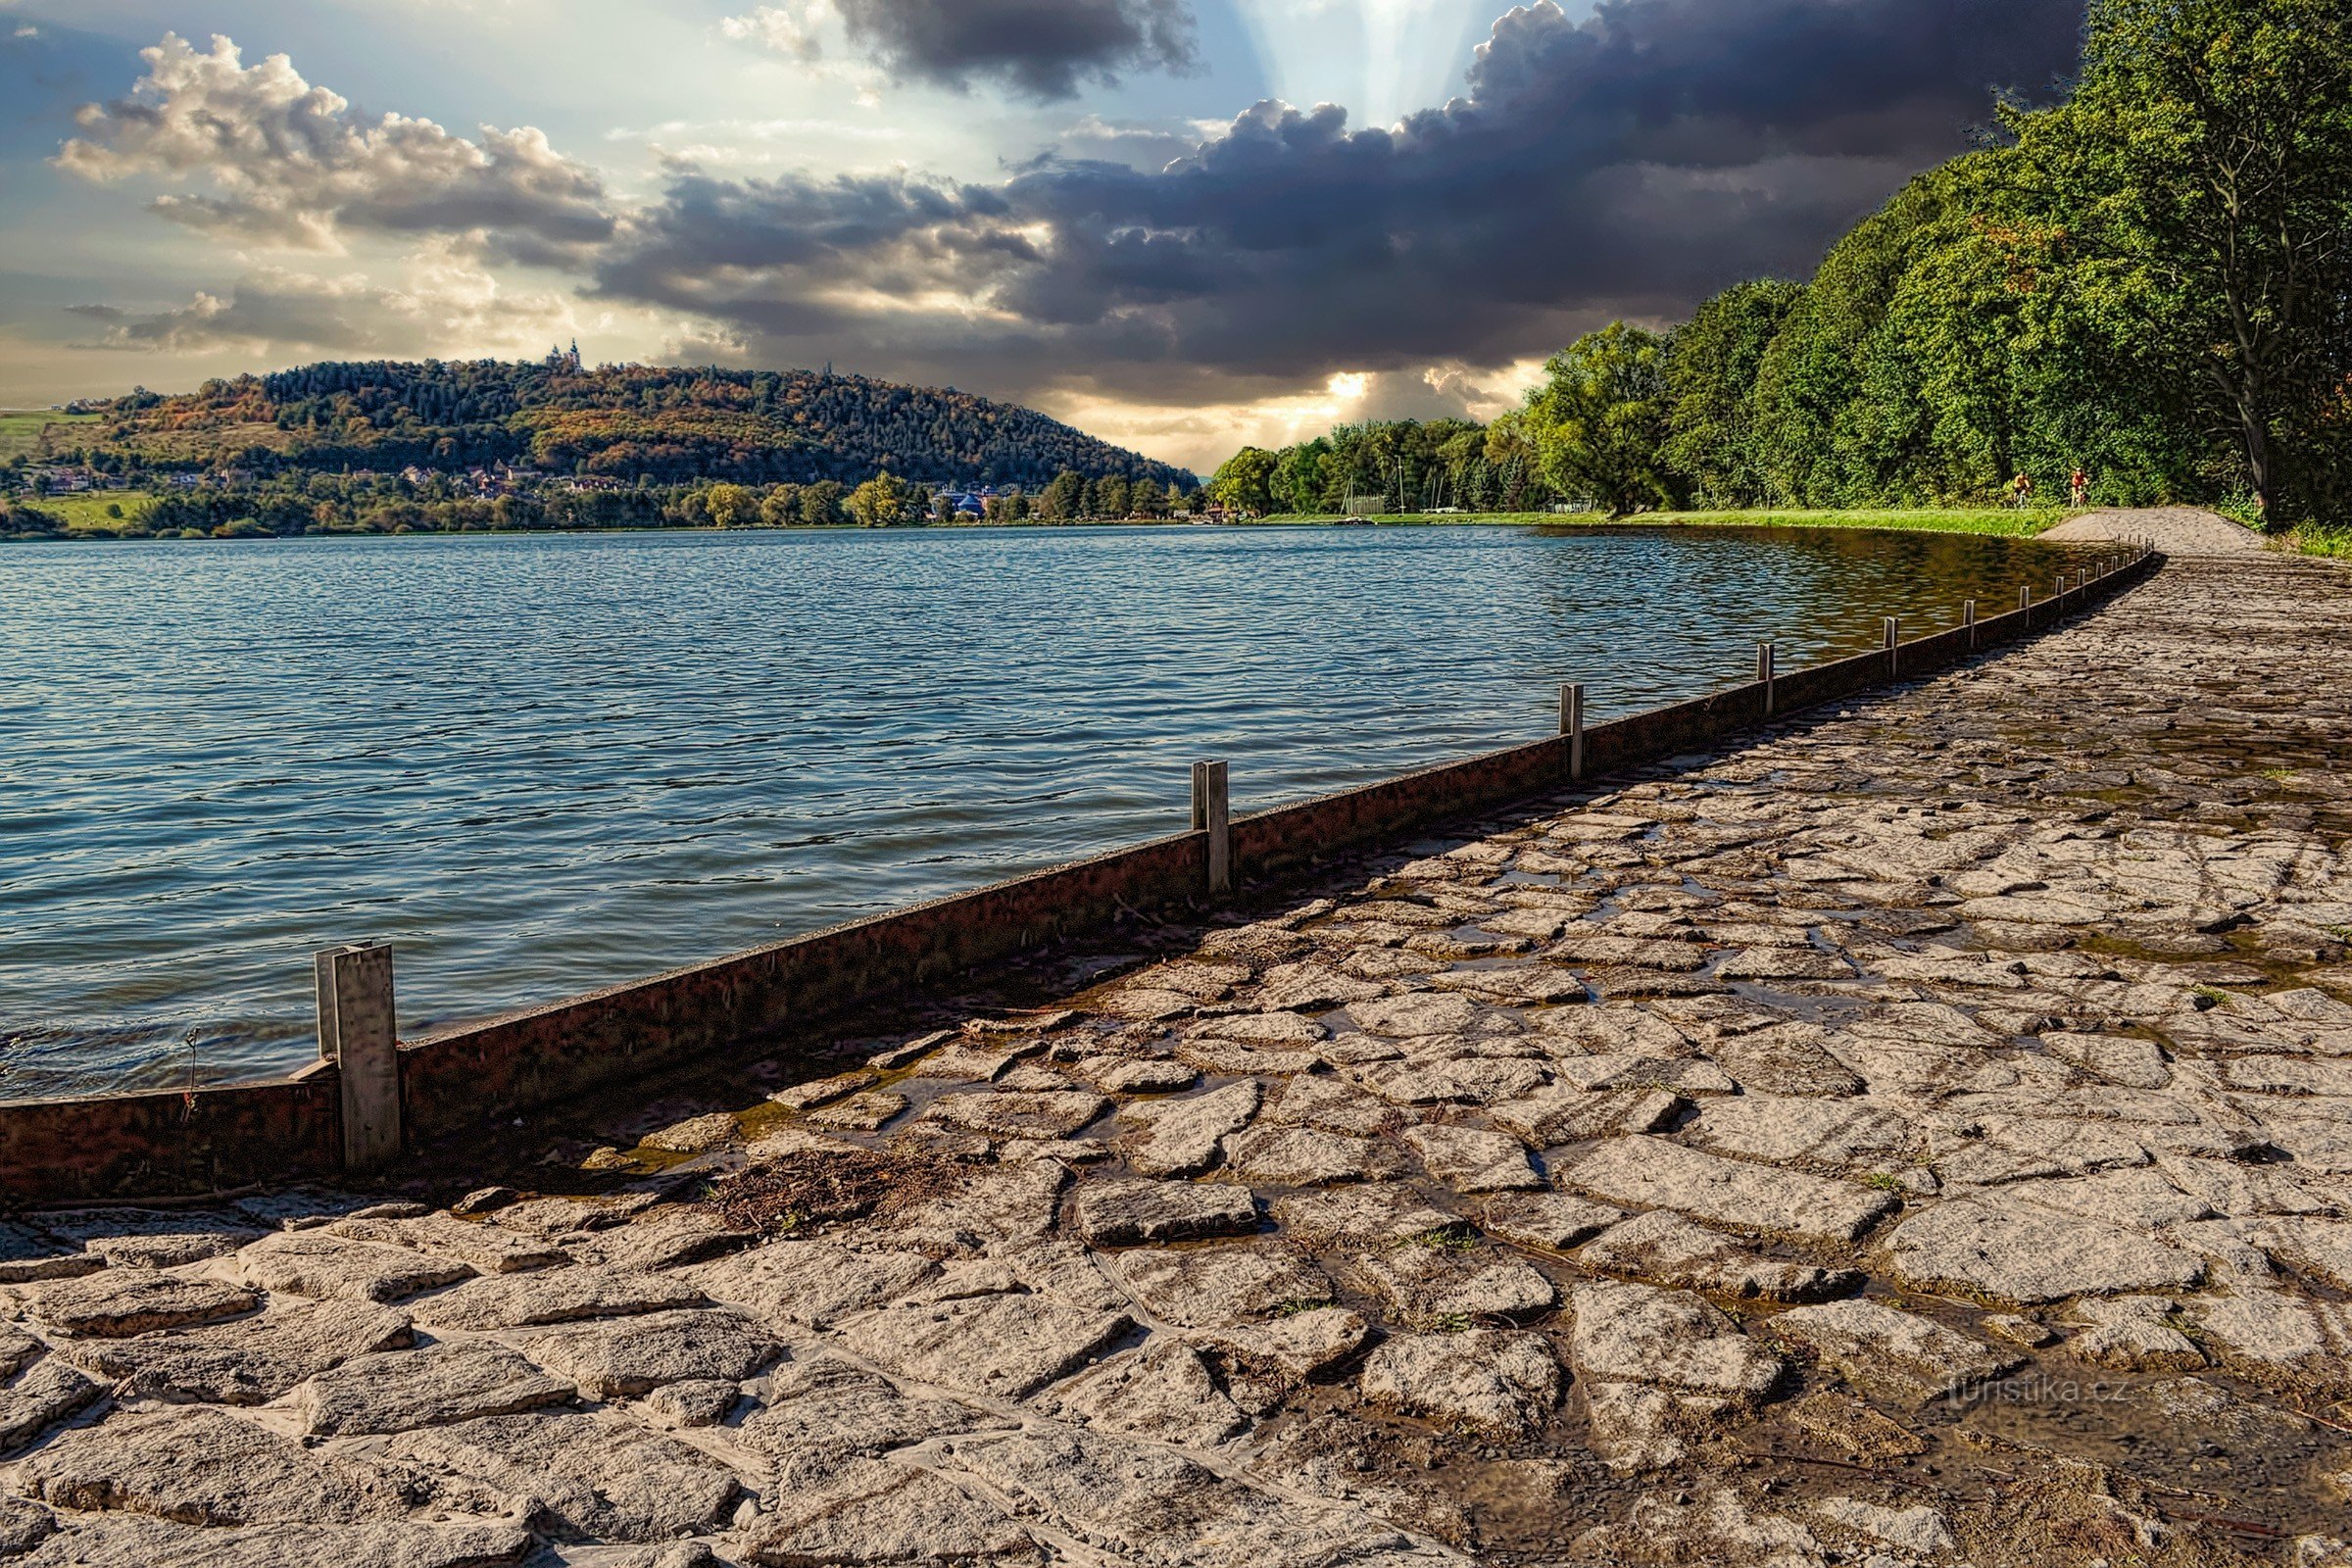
x=1600, y=421
x=2207, y=150
x=1711, y=382
x=1241, y=482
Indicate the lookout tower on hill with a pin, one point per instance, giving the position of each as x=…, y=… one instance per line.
x=558, y=359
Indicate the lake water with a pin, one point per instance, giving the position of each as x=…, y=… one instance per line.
x=539, y=765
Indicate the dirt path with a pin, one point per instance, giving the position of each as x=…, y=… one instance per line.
x=1921, y=1135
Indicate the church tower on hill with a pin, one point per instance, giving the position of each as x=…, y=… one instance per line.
x=558, y=359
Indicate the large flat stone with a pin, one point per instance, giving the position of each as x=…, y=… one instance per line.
x=1893, y=1353
x=1161, y=1391
x=1156, y=1509
x=1662, y=1248
x=666, y=1238
x=583, y=1476
x=1657, y=1173
x=1290, y=1350
x=1015, y=1201
x=40, y=1398
x=1123, y=1213
x=250, y=1361
x=1452, y=1287
x=1215, y=1287
x=399, y=1391
x=1553, y=1221
x=1330, y=1105
x=558, y=1295
x=1360, y=1216
x=1473, y=1159
x=810, y=1284
x=2018, y=1253
x=1423, y=1013
x=823, y=1417
x=1301, y=1157
x=139, y=1238
x=202, y=1466
x=329, y=1268
x=1670, y=1339
x=1463, y=1080
x=1006, y=1346
x=122, y=1303
x=1785, y=1129
x=1014, y=1113
x=1181, y=1137
x=635, y=1355
x=1558, y=1113
x=1493, y=1381
x=879, y=1513
x=491, y=1248
x=129, y=1538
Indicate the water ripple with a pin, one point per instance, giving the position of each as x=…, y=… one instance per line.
x=543, y=764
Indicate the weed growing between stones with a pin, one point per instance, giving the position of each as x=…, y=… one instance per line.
x=812, y=1187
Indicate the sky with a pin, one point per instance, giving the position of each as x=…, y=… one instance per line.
x=1181, y=225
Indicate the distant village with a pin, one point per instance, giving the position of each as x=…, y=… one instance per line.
x=477, y=483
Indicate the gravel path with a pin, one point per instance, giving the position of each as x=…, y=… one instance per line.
x=1921, y=1135
x=2176, y=530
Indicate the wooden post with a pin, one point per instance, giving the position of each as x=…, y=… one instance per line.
x=1968, y=619
x=356, y=1032
x=1572, y=726
x=1764, y=673
x=2025, y=596
x=1893, y=637
x=1212, y=813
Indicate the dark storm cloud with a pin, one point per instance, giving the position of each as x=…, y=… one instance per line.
x=1625, y=163
x=1042, y=48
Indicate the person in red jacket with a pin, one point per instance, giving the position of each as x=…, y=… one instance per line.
x=2079, y=485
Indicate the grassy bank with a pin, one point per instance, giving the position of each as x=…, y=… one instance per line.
x=21, y=430
x=1982, y=520
x=86, y=514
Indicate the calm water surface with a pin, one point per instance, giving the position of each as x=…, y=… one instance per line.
x=539, y=765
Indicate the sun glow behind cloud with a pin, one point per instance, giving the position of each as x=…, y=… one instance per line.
x=1383, y=58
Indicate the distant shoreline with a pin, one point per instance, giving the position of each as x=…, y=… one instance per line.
x=1987, y=521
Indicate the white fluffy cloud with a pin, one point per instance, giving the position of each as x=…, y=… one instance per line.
x=290, y=166
x=444, y=296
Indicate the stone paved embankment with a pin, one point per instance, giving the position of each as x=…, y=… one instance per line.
x=1922, y=1135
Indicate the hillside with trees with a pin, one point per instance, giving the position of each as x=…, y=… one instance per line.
x=641, y=426
x=2150, y=281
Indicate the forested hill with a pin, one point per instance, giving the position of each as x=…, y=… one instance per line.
x=638, y=425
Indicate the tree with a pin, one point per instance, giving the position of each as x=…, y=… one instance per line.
x=1063, y=498
x=2210, y=147
x=1111, y=497
x=1600, y=421
x=820, y=504
x=880, y=502
x=1243, y=482
x=780, y=506
x=1711, y=381
x=731, y=505
x=1298, y=478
